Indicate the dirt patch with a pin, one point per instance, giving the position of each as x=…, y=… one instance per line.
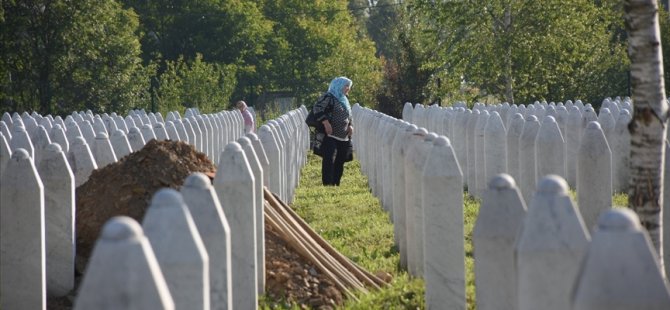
x=126, y=188
x=290, y=277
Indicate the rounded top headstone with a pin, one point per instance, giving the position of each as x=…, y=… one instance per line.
x=197, y=180
x=20, y=154
x=593, y=125
x=134, y=130
x=252, y=136
x=502, y=181
x=233, y=146
x=532, y=118
x=54, y=148
x=552, y=184
x=441, y=141
x=121, y=228
x=101, y=136
x=243, y=141
x=118, y=133
x=549, y=119
x=430, y=137
x=79, y=140
x=622, y=219
x=166, y=197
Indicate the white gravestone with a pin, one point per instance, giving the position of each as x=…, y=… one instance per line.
x=418, y=161
x=59, y=206
x=5, y=153
x=499, y=221
x=72, y=130
x=122, y=272
x=549, y=248
x=98, y=125
x=259, y=206
x=480, y=153
x=621, y=269
x=135, y=139
x=411, y=200
x=103, y=151
x=549, y=149
x=272, y=151
x=120, y=144
x=234, y=185
x=21, y=140
x=607, y=123
x=148, y=132
x=40, y=142
x=407, y=112
x=181, y=130
x=87, y=131
x=470, y=152
x=172, y=131
x=22, y=254
x=81, y=160
x=160, y=132
x=460, y=145
x=399, y=151
x=621, y=153
x=572, y=138
x=527, y=156
x=495, y=147
x=179, y=250
x=206, y=211
x=594, y=174
x=444, y=261
x=262, y=157
x=513, y=134
x=4, y=129
x=58, y=136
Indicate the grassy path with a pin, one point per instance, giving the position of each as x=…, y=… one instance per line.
x=353, y=221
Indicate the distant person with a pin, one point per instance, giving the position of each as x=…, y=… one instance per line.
x=246, y=115
x=334, y=112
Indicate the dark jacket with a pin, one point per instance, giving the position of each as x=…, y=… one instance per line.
x=328, y=107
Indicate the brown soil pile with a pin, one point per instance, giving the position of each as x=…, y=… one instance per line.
x=126, y=187
x=290, y=277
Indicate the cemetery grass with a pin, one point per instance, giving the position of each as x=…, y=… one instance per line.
x=351, y=219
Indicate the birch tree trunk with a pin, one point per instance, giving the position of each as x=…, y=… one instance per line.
x=649, y=117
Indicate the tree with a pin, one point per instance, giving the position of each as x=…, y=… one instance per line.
x=59, y=56
x=650, y=113
x=520, y=51
x=316, y=41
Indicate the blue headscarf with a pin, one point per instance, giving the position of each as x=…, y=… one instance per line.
x=336, y=88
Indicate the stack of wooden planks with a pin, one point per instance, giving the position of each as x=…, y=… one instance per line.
x=349, y=277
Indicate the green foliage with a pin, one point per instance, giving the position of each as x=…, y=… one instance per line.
x=353, y=221
x=188, y=84
x=60, y=56
x=521, y=51
x=315, y=42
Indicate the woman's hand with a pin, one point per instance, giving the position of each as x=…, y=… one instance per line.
x=350, y=131
x=326, y=124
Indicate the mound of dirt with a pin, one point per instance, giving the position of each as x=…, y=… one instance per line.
x=290, y=277
x=126, y=187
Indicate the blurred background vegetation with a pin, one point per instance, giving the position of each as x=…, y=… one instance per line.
x=59, y=56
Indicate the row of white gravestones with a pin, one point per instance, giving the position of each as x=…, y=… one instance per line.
x=53, y=211
x=116, y=136
x=513, y=247
x=440, y=203
x=466, y=128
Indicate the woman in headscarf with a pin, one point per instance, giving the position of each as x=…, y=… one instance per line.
x=334, y=112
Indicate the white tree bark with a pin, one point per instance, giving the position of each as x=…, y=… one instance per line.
x=649, y=116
